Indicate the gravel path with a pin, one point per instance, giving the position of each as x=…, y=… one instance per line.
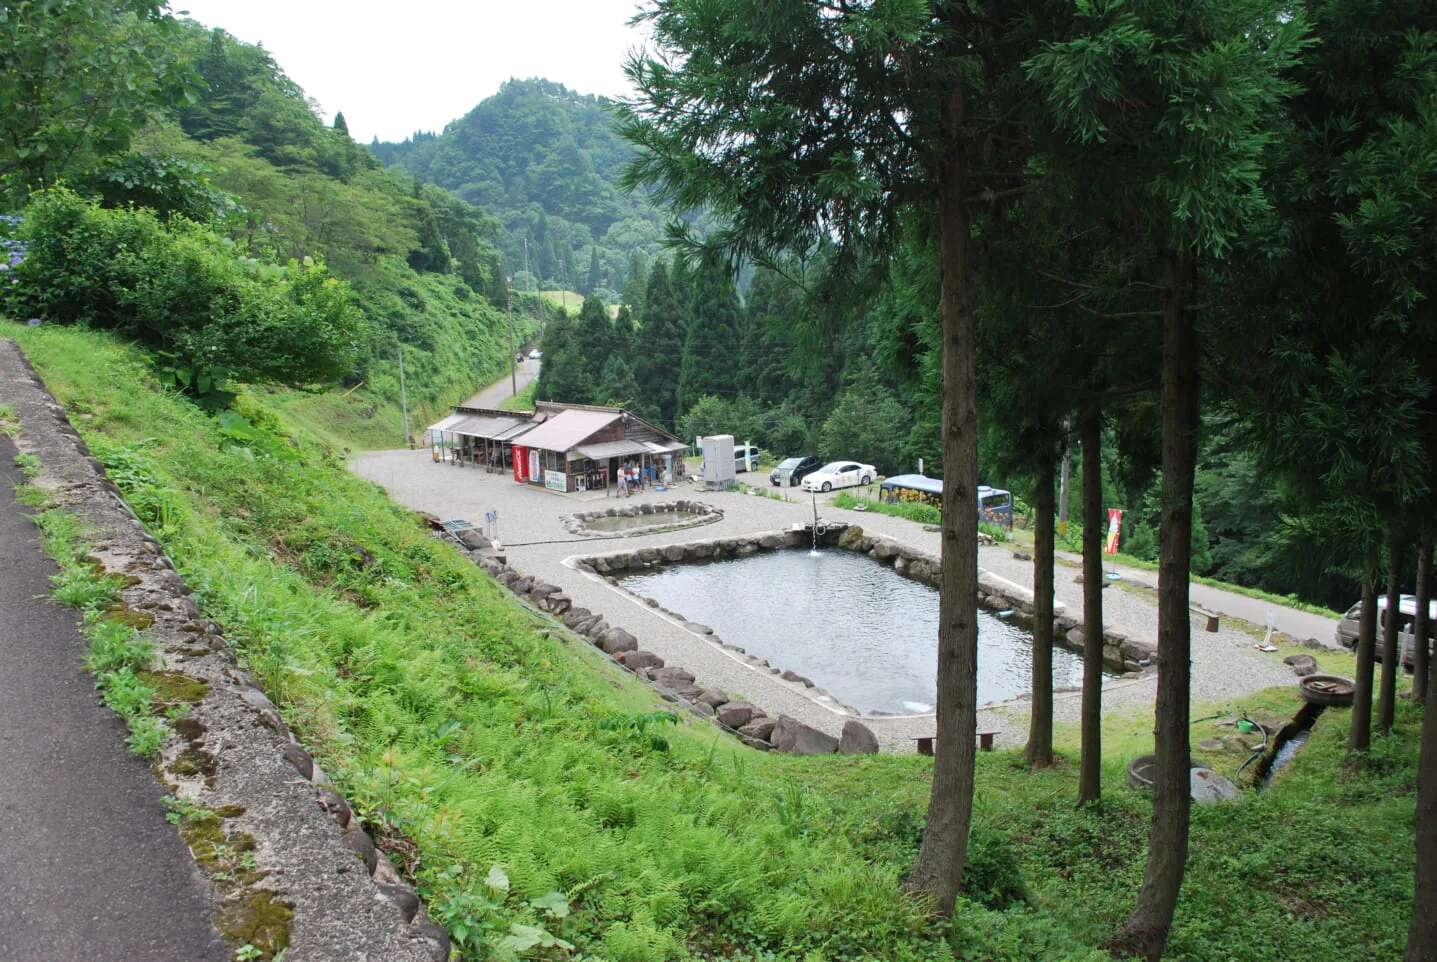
x=1225, y=664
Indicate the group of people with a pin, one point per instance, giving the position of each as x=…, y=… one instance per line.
x=633, y=478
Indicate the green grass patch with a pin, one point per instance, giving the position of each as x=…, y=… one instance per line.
x=523, y=401
x=9, y=420
x=118, y=655
x=547, y=805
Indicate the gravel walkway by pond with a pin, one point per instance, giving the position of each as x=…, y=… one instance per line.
x=1225, y=666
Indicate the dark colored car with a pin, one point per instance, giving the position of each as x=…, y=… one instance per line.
x=791, y=471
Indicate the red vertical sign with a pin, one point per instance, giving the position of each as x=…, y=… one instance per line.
x=1115, y=521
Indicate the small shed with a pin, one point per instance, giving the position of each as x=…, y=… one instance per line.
x=581, y=447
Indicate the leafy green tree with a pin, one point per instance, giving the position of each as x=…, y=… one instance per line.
x=596, y=338
x=711, y=344
x=591, y=283
x=77, y=79
x=864, y=424
x=617, y=387
x=737, y=112
x=565, y=375
x=1172, y=108
x=340, y=124
x=182, y=291
x=658, y=349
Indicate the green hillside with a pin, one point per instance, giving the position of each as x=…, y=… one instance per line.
x=472, y=735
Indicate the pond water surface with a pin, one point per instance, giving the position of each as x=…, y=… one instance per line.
x=850, y=624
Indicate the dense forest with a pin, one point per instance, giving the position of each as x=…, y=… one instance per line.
x=546, y=162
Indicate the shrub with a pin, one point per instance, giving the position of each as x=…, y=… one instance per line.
x=183, y=290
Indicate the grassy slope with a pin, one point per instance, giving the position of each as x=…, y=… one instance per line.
x=458, y=724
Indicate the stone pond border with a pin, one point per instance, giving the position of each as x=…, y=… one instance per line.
x=748, y=721
x=697, y=513
x=231, y=752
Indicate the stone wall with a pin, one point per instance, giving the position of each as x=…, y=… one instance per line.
x=666, y=515
x=231, y=752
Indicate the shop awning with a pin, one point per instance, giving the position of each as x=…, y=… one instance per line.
x=613, y=449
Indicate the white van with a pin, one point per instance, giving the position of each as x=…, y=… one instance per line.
x=1349, y=626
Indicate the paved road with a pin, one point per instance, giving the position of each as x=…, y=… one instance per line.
x=503, y=388
x=1300, y=624
x=91, y=868
x=1225, y=666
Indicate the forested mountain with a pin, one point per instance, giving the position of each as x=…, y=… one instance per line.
x=546, y=161
x=237, y=179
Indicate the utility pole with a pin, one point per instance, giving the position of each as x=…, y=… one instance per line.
x=509, y=309
x=1063, y=488
x=563, y=288
x=403, y=397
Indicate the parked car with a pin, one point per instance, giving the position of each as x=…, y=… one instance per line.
x=1349, y=626
x=535, y=354
x=791, y=471
x=840, y=474
x=740, y=464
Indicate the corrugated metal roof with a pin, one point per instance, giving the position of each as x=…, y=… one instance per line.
x=569, y=429
x=487, y=427
x=666, y=447
x=510, y=434
x=915, y=482
x=448, y=423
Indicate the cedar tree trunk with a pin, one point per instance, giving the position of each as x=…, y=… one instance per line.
x=1040, y=723
x=1422, y=933
x=1146, y=931
x=1391, y=622
x=939, y=867
x=1361, y=734
x=1090, y=437
x=1422, y=626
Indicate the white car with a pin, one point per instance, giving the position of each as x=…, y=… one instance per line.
x=535, y=354
x=840, y=474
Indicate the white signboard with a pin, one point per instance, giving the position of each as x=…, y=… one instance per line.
x=556, y=480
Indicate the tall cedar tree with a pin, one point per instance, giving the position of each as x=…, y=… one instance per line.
x=591, y=283
x=659, y=349
x=564, y=376
x=596, y=338
x=780, y=116
x=1170, y=107
x=713, y=341
x=1337, y=382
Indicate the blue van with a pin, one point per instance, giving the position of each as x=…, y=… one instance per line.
x=995, y=505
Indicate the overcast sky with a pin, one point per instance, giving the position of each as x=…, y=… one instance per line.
x=395, y=68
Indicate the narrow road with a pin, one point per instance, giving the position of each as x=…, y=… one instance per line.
x=501, y=389
x=92, y=869
x=1299, y=624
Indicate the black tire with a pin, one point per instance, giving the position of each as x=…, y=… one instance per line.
x=1329, y=699
x=864, y=481
x=827, y=487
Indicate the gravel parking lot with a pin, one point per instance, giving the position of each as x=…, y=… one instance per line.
x=1225, y=666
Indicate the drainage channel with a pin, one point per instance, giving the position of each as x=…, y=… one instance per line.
x=1286, y=744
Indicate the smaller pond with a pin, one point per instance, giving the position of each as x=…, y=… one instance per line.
x=618, y=523
x=850, y=623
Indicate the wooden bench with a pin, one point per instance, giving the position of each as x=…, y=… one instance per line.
x=985, y=741
x=1211, y=616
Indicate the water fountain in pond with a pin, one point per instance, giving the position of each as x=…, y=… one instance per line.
x=848, y=622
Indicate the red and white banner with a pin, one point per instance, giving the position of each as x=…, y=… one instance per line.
x=1115, y=521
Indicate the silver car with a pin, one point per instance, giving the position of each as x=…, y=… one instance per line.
x=1350, y=625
